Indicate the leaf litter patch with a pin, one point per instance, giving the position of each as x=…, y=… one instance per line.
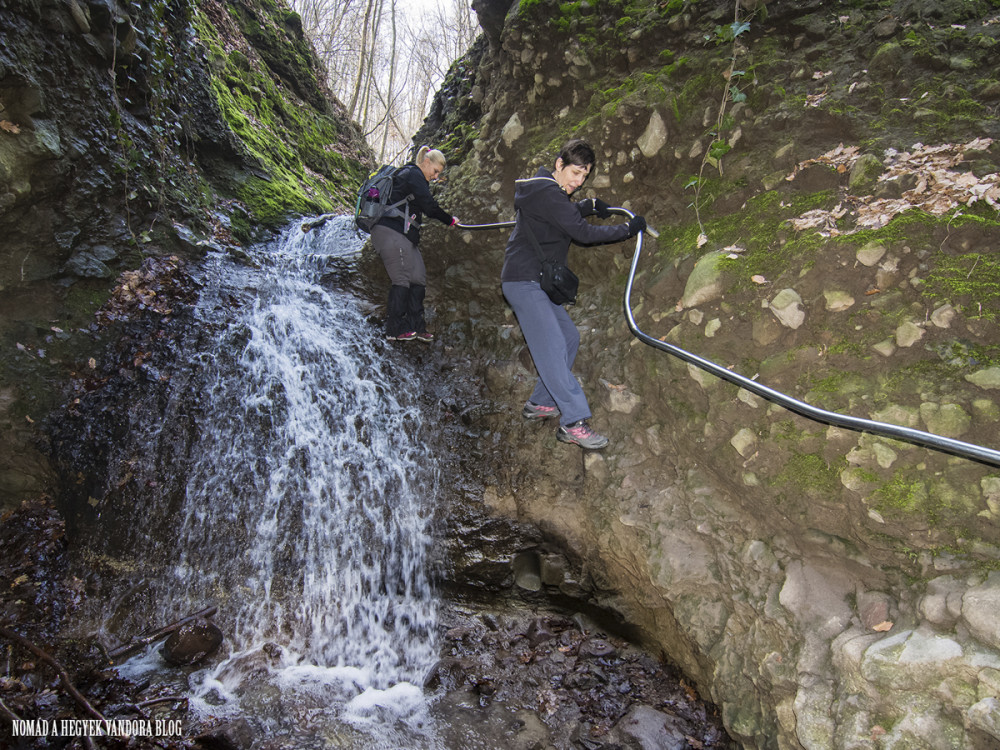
x=939, y=187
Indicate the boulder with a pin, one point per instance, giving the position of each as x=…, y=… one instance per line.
x=191, y=643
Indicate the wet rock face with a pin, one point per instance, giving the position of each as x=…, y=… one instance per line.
x=491, y=14
x=116, y=146
x=787, y=566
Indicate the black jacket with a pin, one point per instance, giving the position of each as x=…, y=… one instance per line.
x=409, y=180
x=556, y=221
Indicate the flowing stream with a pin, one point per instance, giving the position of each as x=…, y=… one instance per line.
x=306, y=508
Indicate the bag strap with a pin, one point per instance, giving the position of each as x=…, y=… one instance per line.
x=405, y=203
x=531, y=236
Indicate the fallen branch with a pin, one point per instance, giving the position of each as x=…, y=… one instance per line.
x=317, y=222
x=131, y=648
x=7, y=713
x=164, y=699
x=19, y=639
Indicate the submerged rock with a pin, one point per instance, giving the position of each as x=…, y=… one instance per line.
x=192, y=643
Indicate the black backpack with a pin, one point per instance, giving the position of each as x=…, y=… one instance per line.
x=375, y=199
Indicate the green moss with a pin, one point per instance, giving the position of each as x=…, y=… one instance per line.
x=902, y=494
x=971, y=281
x=810, y=474
x=288, y=141
x=759, y=228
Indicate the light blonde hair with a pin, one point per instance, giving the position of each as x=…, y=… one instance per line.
x=426, y=152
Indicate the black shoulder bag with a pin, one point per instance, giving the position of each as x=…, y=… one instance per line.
x=556, y=280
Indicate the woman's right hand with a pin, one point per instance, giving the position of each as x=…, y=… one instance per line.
x=635, y=225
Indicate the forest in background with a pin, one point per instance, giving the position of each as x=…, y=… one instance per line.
x=385, y=59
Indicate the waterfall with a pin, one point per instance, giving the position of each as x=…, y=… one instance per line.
x=308, y=498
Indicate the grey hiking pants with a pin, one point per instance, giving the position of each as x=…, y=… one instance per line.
x=408, y=275
x=553, y=341
x=402, y=259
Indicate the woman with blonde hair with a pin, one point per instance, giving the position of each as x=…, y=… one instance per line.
x=396, y=239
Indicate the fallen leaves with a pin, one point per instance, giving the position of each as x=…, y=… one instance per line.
x=823, y=221
x=155, y=286
x=939, y=188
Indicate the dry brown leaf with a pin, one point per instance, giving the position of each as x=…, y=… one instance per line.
x=883, y=627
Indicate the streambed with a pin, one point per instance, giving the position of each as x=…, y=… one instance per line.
x=313, y=482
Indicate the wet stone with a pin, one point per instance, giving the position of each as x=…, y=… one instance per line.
x=550, y=679
x=191, y=643
x=538, y=632
x=597, y=648
x=447, y=673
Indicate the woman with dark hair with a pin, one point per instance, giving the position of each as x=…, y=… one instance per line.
x=396, y=239
x=544, y=210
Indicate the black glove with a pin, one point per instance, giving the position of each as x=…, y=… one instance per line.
x=635, y=225
x=593, y=206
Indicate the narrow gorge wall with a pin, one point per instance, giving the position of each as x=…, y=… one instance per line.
x=140, y=135
x=826, y=588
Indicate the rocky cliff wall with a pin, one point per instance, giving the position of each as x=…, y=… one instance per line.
x=825, y=181
x=131, y=132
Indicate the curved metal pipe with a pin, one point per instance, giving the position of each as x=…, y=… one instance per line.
x=496, y=225
x=897, y=432
x=918, y=437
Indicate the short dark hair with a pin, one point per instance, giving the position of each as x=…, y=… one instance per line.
x=577, y=152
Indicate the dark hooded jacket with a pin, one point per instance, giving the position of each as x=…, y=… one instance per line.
x=556, y=221
x=409, y=180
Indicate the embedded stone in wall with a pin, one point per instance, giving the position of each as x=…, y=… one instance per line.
x=985, y=715
x=908, y=334
x=512, y=130
x=786, y=308
x=904, y=416
x=705, y=282
x=942, y=604
x=884, y=455
x=654, y=137
x=86, y=266
x=979, y=607
x=765, y=331
x=838, y=301
x=943, y=316
x=988, y=378
x=702, y=377
x=871, y=253
x=949, y=420
x=886, y=348
x=620, y=398
x=744, y=441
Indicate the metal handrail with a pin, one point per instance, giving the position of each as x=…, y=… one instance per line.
x=897, y=432
x=907, y=434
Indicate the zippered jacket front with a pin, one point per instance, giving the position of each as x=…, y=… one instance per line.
x=556, y=222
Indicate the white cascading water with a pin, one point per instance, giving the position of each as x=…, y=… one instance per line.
x=307, y=513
